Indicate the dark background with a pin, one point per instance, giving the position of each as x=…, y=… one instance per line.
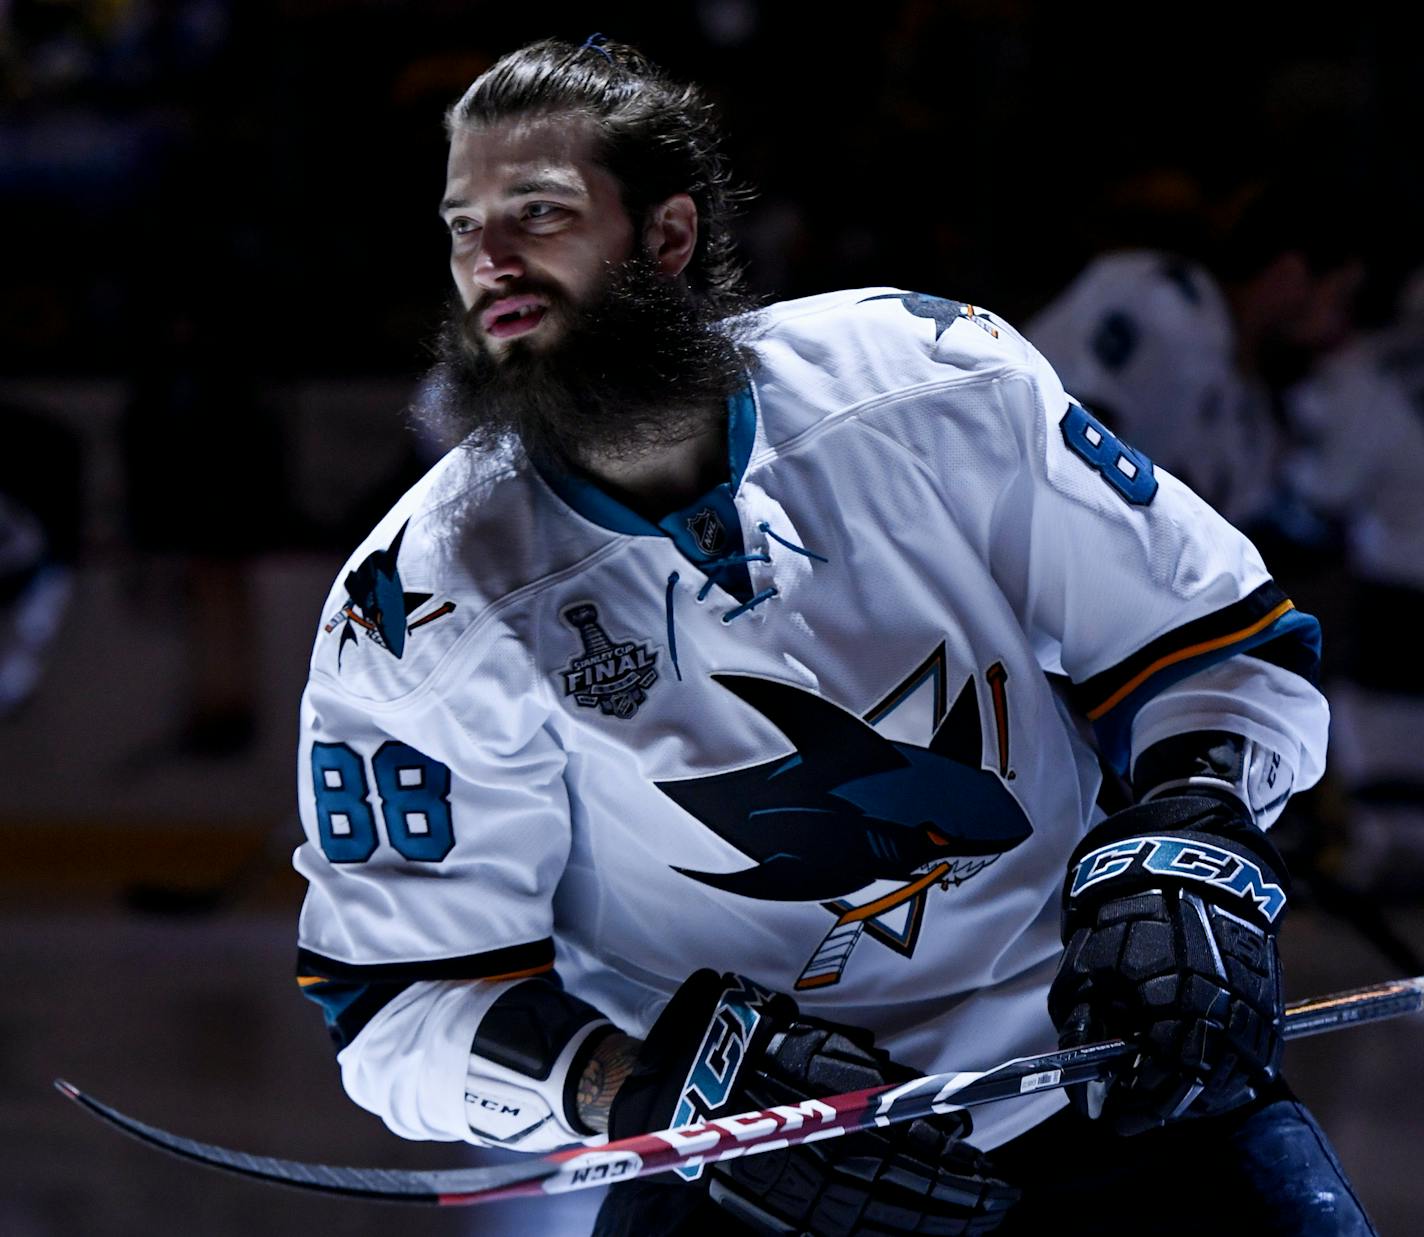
x=221, y=265
x=274, y=169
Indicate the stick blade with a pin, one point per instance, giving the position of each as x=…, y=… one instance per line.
x=438, y=1187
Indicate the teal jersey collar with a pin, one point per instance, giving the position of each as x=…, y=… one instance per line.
x=741, y=434
x=591, y=502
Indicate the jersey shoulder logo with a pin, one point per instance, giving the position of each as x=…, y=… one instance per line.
x=612, y=676
x=862, y=823
x=943, y=313
x=377, y=604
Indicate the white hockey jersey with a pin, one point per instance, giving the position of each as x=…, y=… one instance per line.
x=1359, y=458
x=1361, y=449
x=1145, y=339
x=834, y=726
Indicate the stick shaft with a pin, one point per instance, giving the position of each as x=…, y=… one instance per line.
x=1339, y=1009
x=747, y=1134
x=757, y=1132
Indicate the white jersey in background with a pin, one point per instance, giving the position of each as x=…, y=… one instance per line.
x=834, y=726
x=1359, y=420
x=1359, y=424
x=1145, y=340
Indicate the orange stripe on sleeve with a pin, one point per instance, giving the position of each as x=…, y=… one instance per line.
x=1194, y=650
x=543, y=969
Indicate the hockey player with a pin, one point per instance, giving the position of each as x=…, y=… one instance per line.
x=1187, y=362
x=726, y=724
x=1361, y=448
x=39, y=543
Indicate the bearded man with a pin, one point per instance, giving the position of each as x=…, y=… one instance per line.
x=725, y=723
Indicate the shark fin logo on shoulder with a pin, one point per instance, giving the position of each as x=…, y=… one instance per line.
x=377, y=603
x=942, y=312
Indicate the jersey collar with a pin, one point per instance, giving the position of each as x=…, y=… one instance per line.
x=594, y=504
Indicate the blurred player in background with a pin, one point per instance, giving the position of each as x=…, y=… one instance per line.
x=40, y=512
x=737, y=657
x=1360, y=424
x=1188, y=362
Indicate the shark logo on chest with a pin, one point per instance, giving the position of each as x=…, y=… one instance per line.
x=864, y=824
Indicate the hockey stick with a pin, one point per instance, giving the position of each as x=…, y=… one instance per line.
x=746, y=1134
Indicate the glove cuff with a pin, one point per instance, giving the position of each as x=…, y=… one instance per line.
x=1196, y=843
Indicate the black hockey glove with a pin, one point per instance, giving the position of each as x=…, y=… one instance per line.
x=724, y=1046
x=1170, y=912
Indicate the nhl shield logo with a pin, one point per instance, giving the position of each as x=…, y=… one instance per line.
x=612, y=676
x=707, y=530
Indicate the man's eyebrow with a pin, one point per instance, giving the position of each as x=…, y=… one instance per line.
x=546, y=184
x=536, y=184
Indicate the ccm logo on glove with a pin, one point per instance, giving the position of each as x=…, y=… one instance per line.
x=709, y=1083
x=1187, y=860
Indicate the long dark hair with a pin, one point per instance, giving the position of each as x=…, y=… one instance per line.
x=658, y=137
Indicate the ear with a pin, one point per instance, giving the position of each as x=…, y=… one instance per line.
x=671, y=233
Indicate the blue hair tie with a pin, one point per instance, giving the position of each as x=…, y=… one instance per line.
x=595, y=42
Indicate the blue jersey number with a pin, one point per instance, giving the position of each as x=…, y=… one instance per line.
x=344, y=819
x=415, y=800
x=1128, y=471
x=412, y=789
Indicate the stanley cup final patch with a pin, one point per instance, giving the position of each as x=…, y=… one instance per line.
x=610, y=675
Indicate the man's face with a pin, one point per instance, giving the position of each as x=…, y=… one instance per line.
x=535, y=227
x=575, y=333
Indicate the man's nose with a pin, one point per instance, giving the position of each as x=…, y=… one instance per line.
x=498, y=259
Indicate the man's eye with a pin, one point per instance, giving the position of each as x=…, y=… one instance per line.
x=542, y=210
x=461, y=226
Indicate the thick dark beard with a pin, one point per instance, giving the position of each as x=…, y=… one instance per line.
x=640, y=366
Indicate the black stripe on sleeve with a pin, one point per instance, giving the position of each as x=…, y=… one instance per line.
x=1091, y=693
x=532, y=956
x=350, y=994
